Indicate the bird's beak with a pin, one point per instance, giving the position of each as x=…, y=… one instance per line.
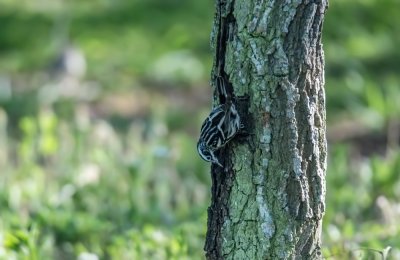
x=217, y=163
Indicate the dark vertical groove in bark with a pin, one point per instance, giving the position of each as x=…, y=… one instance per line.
x=217, y=212
x=223, y=36
x=221, y=178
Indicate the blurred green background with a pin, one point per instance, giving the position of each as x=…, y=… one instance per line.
x=100, y=107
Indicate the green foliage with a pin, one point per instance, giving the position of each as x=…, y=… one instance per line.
x=150, y=243
x=110, y=168
x=360, y=42
x=94, y=191
x=361, y=202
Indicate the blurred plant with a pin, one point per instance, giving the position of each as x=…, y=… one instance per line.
x=363, y=205
x=149, y=243
x=79, y=182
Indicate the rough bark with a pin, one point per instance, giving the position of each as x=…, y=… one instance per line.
x=268, y=200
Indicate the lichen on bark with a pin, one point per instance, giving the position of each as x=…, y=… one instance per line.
x=268, y=200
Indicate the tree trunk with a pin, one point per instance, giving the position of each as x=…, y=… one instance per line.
x=268, y=200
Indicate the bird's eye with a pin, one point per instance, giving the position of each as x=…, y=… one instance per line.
x=204, y=152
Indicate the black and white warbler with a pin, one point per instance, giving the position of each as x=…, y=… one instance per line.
x=218, y=129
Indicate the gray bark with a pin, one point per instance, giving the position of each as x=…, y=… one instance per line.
x=268, y=200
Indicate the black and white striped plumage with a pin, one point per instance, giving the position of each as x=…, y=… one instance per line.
x=218, y=129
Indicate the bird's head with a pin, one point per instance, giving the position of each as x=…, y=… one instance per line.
x=207, y=154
